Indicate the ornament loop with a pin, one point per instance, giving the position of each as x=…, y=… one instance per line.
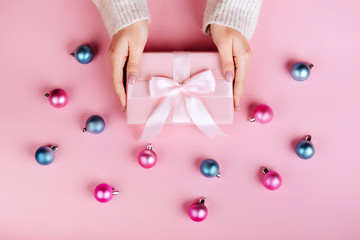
x=54, y=147
x=115, y=192
x=265, y=170
x=311, y=65
x=252, y=119
x=308, y=138
x=202, y=200
x=149, y=147
x=218, y=175
x=47, y=95
x=84, y=129
x=72, y=54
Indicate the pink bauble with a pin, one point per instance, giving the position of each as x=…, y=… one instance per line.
x=58, y=98
x=272, y=180
x=263, y=114
x=197, y=212
x=147, y=158
x=103, y=193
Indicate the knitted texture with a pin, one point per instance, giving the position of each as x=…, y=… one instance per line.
x=118, y=14
x=241, y=15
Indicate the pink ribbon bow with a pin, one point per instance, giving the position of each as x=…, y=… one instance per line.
x=182, y=97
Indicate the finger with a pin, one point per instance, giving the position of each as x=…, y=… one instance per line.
x=242, y=62
x=227, y=60
x=133, y=63
x=118, y=63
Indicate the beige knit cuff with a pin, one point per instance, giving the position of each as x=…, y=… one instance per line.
x=241, y=15
x=118, y=14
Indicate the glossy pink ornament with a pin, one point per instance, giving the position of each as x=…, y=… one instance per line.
x=198, y=211
x=262, y=114
x=104, y=192
x=271, y=179
x=58, y=98
x=147, y=158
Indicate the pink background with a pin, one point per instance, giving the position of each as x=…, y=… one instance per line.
x=319, y=198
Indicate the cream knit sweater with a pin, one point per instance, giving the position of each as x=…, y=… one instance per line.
x=238, y=14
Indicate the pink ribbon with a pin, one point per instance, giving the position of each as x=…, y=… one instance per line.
x=182, y=95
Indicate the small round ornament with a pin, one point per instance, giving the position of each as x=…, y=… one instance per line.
x=83, y=54
x=305, y=149
x=300, y=71
x=210, y=168
x=58, y=98
x=94, y=124
x=271, y=179
x=147, y=158
x=198, y=211
x=45, y=155
x=104, y=192
x=262, y=114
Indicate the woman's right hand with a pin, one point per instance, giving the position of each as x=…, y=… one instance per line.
x=127, y=44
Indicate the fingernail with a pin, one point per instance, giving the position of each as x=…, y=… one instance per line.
x=229, y=77
x=237, y=107
x=131, y=78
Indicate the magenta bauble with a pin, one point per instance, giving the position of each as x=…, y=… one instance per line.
x=104, y=192
x=271, y=179
x=147, y=158
x=58, y=98
x=262, y=114
x=198, y=211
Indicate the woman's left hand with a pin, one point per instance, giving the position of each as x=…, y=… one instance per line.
x=235, y=56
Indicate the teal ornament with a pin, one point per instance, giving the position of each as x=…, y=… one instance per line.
x=300, y=71
x=305, y=149
x=45, y=154
x=94, y=124
x=210, y=168
x=84, y=54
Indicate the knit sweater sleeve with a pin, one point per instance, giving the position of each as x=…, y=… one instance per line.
x=241, y=15
x=118, y=14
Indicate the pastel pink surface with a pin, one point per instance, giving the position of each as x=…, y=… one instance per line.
x=141, y=104
x=319, y=198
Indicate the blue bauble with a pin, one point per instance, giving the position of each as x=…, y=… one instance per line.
x=305, y=149
x=300, y=71
x=45, y=155
x=83, y=54
x=95, y=124
x=210, y=168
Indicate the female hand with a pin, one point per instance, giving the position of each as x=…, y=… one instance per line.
x=235, y=56
x=127, y=44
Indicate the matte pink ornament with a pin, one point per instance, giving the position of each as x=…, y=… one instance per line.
x=271, y=179
x=147, y=158
x=262, y=114
x=104, y=192
x=198, y=211
x=58, y=98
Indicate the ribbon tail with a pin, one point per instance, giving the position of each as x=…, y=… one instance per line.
x=157, y=119
x=201, y=117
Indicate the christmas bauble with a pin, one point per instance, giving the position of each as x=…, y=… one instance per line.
x=271, y=179
x=210, y=168
x=94, y=124
x=83, y=54
x=45, y=154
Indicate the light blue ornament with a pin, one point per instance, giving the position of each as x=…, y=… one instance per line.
x=94, y=124
x=210, y=168
x=46, y=155
x=301, y=71
x=83, y=54
x=305, y=149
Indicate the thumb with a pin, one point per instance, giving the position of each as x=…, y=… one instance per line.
x=132, y=66
x=227, y=61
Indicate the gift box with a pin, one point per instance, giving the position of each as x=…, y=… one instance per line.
x=180, y=88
